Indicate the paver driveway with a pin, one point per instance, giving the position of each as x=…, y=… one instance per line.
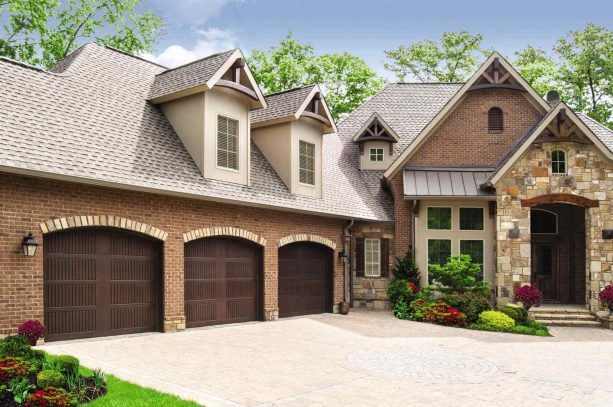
x=363, y=359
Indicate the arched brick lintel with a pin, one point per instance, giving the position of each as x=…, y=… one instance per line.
x=560, y=198
x=223, y=231
x=307, y=238
x=70, y=222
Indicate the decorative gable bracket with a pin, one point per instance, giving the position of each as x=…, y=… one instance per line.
x=496, y=76
x=375, y=129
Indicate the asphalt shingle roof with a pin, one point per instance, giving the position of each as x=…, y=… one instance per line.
x=188, y=76
x=281, y=104
x=92, y=122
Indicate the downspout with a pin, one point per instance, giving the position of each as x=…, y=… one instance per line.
x=414, y=207
x=348, y=261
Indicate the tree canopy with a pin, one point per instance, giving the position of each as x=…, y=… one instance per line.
x=42, y=32
x=453, y=59
x=346, y=79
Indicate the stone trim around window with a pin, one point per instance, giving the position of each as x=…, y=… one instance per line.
x=223, y=231
x=54, y=225
x=307, y=238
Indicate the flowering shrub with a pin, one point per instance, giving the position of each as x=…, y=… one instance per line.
x=401, y=290
x=13, y=367
x=51, y=397
x=470, y=304
x=606, y=297
x=437, y=313
x=33, y=331
x=529, y=296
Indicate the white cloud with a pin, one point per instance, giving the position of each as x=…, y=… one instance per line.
x=209, y=41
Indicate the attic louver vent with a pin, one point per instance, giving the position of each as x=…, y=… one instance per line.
x=494, y=120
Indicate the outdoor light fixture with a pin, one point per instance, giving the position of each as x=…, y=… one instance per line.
x=342, y=255
x=29, y=245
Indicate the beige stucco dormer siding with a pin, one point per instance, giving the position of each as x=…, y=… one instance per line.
x=225, y=102
x=366, y=164
x=280, y=144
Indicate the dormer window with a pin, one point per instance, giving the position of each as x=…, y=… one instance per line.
x=376, y=154
x=307, y=163
x=494, y=120
x=227, y=143
x=558, y=162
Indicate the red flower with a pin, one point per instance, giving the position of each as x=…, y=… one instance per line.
x=413, y=287
x=606, y=296
x=529, y=296
x=33, y=331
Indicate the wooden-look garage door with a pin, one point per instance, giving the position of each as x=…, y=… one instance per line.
x=305, y=279
x=100, y=282
x=222, y=281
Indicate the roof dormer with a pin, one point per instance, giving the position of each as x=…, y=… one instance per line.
x=290, y=135
x=375, y=140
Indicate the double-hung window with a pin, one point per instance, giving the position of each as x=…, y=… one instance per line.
x=307, y=163
x=372, y=257
x=227, y=143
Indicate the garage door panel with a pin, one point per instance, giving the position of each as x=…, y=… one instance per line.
x=90, y=291
x=68, y=324
x=304, y=279
x=70, y=295
x=221, y=281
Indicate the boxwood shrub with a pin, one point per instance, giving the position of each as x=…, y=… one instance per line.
x=50, y=378
x=496, y=320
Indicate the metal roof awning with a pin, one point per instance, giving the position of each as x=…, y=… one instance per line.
x=420, y=183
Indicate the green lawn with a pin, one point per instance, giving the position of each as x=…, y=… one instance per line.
x=124, y=394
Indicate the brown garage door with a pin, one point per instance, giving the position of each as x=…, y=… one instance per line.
x=305, y=279
x=100, y=282
x=222, y=281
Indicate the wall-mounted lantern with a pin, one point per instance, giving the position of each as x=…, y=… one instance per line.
x=29, y=245
x=342, y=255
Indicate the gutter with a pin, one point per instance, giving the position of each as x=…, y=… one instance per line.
x=349, y=261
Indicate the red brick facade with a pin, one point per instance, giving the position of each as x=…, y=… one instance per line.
x=463, y=139
x=26, y=202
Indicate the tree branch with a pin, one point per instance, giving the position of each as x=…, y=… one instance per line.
x=75, y=34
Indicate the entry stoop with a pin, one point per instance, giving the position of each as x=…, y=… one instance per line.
x=564, y=315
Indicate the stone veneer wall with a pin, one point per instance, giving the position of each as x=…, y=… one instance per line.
x=371, y=292
x=590, y=175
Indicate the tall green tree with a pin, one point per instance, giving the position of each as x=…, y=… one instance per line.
x=453, y=59
x=580, y=68
x=346, y=79
x=42, y=32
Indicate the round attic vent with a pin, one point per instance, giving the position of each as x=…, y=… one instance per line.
x=552, y=97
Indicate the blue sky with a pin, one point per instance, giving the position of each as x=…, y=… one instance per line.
x=196, y=28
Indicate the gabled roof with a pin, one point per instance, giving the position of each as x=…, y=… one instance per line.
x=198, y=76
x=455, y=100
x=376, y=117
x=93, y=124
x=525, y=142
x=290, y=105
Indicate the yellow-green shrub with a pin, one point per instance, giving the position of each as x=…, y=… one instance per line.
x=496, y=320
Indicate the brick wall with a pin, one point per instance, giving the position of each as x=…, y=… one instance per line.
x=463, y=138
x=26, y=202
x=402, y=216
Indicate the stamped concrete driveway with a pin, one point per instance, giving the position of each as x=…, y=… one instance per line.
x=363, y=359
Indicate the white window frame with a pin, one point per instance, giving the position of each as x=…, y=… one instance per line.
x=238, y=144
x=314, y=164
x=375, y=270
x=377, y=155
x=565, y=155
x=451, y=220
x=471, y=230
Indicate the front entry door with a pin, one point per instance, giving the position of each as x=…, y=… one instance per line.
x=545, y=269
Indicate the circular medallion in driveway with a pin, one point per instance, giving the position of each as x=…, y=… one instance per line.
x=424, y=364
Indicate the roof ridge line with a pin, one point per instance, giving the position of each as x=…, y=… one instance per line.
x=127, y=53
x=196, y=61
x=32, y=67
x=291, y=90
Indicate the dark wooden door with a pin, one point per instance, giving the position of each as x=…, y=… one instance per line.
x=222, y=281
x=545, y=269
x=305, y=277
x=101, y=282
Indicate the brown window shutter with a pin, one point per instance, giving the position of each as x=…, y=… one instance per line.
x=385, y=257
x=359, y=257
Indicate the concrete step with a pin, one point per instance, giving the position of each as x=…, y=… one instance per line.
x=574, y=317
x=569, y=322
x=552, y=310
